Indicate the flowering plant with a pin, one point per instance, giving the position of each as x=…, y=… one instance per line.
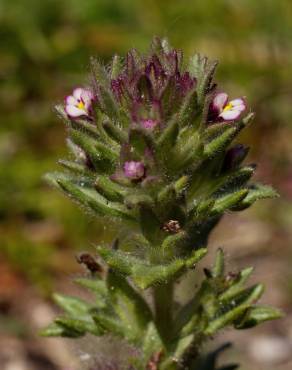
x=152, y=145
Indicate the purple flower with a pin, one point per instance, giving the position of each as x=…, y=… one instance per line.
x=227, y=110
x=134, y=170
x=79, y=104
x=149, y=123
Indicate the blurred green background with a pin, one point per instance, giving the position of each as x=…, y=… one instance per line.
x=45, y=50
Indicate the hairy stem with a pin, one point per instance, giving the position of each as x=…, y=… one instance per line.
x=163, y=305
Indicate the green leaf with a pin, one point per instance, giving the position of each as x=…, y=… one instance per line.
x=237, y=285
x=52, y=178
x=93, y=201
x=58, y=330
x=109, y=189
x=258, y=314
x=188, y=151
x=257, y=192
x=181, y=185
x=227, y=319
x=218, y=268
x=240, y=303
x=150, y=224
x=148, y=275
x=114, y=131
x=201, y=210
x=145, y=274
x=98, y=287
x=77, y=323
x=81, y=326
x=116, y=66
x=219, y=143
x=168, y=138
x=203, y=70
x=75, y=167
x=189, y=110
x=228, y=201
x=72, y=305
x=108, y=323
x=130, y=306
x=172, y=243
x=88, y=128
x=138, y=200
x=102, y=86
x=232, y=181
x=249, y=295
x=215, y=130
x=151, y=343
x=102, y=156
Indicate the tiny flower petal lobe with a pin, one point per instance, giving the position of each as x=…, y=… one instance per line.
x=230, y=114
x=77, y=92
x=74, y=111
x=219, y=101
x=70, y=100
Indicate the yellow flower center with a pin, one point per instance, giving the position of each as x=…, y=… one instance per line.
x=80, y=105
x=227, y=107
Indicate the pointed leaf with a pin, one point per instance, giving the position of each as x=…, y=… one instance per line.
x=72, y=305
x=129, y=305
x=114, y=131
x=109, y=189
x=151, y=343
x=257, y=192
x=258, y=314
x=77, y=325
x=102, y=156
x=218, y=269
x=93, y=201
x=228, y=201
x=220, y=143
x=237, y=285
x=189, y=110
x=57, y=330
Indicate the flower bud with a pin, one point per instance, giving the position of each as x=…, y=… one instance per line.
x=134, y=170
x=234, y=156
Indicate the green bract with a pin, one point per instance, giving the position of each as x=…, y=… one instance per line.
x=151, y=149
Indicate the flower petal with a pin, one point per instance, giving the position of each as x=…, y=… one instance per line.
x=74, y=112
x=70, y=100
x=134, y=170
x=220, y=101
x=149, y=123
x=230, y=115
x=87, y=95
x=77, y=92
x=239, y=104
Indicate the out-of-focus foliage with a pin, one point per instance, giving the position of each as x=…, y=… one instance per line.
x=46, y=46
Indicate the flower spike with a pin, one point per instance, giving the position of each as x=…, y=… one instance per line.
x=147, y=158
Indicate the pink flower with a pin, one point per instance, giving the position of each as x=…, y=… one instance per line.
x=134, y=170
x=227, y=110
x=79, y=104
x=149, y=123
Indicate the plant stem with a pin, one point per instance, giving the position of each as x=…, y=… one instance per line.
x=163, y=304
